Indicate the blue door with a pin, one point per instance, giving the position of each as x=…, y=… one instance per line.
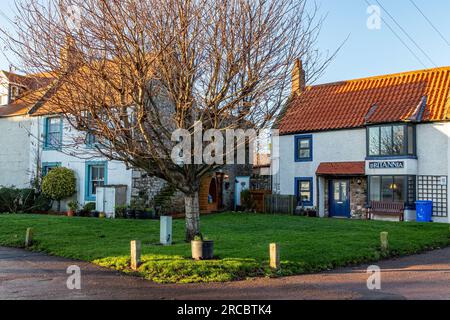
x=339, y=198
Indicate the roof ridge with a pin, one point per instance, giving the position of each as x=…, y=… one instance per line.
x=384, y=76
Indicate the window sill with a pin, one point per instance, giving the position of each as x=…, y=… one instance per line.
x=304, y=160
x=391, y=158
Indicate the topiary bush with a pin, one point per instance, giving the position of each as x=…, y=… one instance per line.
x=59, y=184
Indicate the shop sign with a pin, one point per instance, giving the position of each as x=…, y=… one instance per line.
x=387, y=165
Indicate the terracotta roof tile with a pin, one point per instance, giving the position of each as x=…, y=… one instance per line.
x=342, y=168
x=346, y=104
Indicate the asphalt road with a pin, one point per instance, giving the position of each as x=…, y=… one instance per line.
x=34, y=276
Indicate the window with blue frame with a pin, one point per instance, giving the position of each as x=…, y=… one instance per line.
x=53, y=133
x=391, y=140
x=96, y=176
x=304, y=191
x=91, y=140
x=47, y=167
x=303, y=148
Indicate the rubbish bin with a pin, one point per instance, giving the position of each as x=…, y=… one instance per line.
x=424, y=211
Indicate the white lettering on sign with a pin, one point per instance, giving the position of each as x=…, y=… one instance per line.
x=387, y=165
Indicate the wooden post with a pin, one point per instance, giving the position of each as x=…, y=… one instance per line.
x=29, y=237
x=384, y=237
x=274, y=256
x=135, y=254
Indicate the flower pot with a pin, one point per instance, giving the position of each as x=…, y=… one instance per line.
x=102, y=215
x=202, y=250
x=70, y=213
x=140, y=214
x=130, y=214
x=95, y=214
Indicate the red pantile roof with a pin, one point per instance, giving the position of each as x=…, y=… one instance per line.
x=342, y=168
x=349, y=104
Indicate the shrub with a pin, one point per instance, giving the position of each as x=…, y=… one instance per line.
x=88, y=207
x=247, y=200
x=14, y=200
x=59, y=184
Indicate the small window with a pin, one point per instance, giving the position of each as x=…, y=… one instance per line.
x=47, y=167
x=96, y=177
x=53, y=133
x=304, y=191
x=91, y=140
x=303, y=148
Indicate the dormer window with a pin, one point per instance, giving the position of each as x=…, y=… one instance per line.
x=391, y=140
x=15, y=92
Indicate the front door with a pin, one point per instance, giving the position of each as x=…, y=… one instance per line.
x=339, y=198
x=242, y=183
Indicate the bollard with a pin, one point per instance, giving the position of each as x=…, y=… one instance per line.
x=274, y=256
x=29, y=237
x=135, y=254
x=384, y=237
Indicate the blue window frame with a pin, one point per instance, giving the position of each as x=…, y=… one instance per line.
x=91, y=140
x=48, y=166
x=96, y=176
x=53, y=133
x=303, y=148
x=304, y=191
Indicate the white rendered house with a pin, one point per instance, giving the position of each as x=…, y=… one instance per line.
x=384, y=138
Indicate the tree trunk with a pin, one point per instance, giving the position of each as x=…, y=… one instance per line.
x=59, y=206
x=192, y=207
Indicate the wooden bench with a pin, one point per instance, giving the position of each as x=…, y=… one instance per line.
x=386, y=209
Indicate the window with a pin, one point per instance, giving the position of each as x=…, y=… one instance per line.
x=393, y=189
x=303, y=148
x=96, y=176
x=47, y=167
x=304, y=191
x=91, y=140
x=53, y=134
x=391, y=140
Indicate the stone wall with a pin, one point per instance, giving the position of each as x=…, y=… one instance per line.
x=147, y=188
x=358, y=196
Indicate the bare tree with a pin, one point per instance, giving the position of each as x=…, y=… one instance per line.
x=130, y=72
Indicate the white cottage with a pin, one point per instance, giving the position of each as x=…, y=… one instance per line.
x=33, y=141
x=386, y=139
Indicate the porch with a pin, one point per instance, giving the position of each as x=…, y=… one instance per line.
x=342, y=189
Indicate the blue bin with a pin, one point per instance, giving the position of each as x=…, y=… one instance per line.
x=424, y=211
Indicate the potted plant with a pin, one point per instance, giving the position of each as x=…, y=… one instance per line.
x=120, y=212
x=102, y=215
x=130, y=213
x=73, y=208
x=202, y=249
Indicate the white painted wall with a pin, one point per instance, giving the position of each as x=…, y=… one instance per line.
x=75, y=156
x=433, y=153
x=331, y=146
x=15, y=152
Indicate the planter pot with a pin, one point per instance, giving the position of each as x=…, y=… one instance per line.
x=70, y=213
x=130, y=214
x=140, y=214
x=165, y=237
x=202, y=250
x=102, y=215
x=95, y=214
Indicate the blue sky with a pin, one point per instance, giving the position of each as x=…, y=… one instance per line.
x=369, y=52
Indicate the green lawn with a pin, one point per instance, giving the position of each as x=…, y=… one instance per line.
x=241, y=243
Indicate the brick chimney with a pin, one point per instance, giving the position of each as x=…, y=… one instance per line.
x=68, y=54
x=298, y=78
